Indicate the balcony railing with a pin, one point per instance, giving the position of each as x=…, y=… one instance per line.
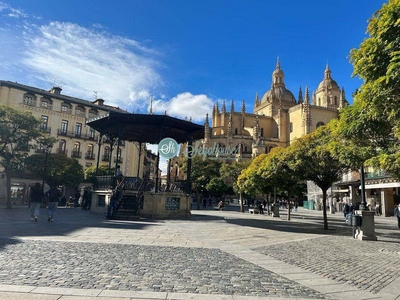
x=76, y=154
x=89, y=155
x=71, y=133
x=120, y=160
x=45, y=129
x=62, y=151
x=29, y=102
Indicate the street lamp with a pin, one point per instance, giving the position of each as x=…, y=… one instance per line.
x=47, y=150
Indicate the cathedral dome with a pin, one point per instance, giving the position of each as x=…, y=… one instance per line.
x=328, y=81
x=279, y=93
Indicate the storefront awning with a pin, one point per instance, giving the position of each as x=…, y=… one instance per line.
x=382, y=185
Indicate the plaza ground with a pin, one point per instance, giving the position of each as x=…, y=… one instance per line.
x=212, y=255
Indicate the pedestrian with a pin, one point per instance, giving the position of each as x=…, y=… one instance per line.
x=54, y=195
x=204, y=202
x=346, y=210
x=36, y=196
x=397, y=214
x=77, y=196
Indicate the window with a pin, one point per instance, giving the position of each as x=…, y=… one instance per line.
x=89, y=152
x=101, y=202
x=291, y=127
x=91, y=133
x=76, y=151
x=262, y=132
x=44, y=122
x=78, y=129
x=46, y=103
x=29, y=99
x=80, y=111
x=172, y=203
x=64, y=108
x=64, y=126
x=62, y=147
x=106, y=155
x=92, y=113
x=236, y=131
x=319, y=124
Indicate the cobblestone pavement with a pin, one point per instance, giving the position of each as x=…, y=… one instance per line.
x=140, y=268
x=212, y=255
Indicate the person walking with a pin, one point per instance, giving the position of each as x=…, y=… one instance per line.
x=36, y=196
x=54, y=195
x=397, y=214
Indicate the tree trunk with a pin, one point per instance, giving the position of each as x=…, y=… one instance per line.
x=8, y=189
x=241, y=203
x=288, y=213
x=324, y=209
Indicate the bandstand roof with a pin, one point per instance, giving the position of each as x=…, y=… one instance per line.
x=145, y=128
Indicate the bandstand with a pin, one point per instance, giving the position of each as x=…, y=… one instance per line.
x=131, y=197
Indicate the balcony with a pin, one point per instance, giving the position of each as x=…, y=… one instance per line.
x=76, y=154
x=66, y=110
x=105, y=157
x=89, y=155
x=45, y=128
x=120, y=160
x=46, y=106
x=62, y=151
x=78, y=135
x=29, y=102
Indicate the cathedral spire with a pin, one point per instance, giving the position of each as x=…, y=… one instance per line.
x=307, y=99
x=223, y=107
x=232, y=107
x=243, y=107
x=300, y=96
x=257, y=101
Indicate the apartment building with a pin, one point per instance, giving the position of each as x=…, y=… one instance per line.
x=64, y=117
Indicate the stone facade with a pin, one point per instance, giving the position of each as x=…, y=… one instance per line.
x=65, y=117
x=278, y=117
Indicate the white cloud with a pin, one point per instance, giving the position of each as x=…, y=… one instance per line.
x=88, y=61
x=185, y=105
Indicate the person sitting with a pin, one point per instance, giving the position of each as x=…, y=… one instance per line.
x=220, y=205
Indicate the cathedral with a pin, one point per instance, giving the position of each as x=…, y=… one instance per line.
x=278, y=118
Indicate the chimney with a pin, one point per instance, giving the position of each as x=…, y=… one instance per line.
x=56, y=90
x=99, y=102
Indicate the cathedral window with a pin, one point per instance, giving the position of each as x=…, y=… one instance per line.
x=335, y=99
x=236, y=131
x=291, y=127
x=319, y=124
x=262, y=132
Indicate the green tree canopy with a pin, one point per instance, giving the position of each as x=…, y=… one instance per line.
x=312, y=158
x=217, y=187
x=61, y=170
x=374, y=118
x=19, y=132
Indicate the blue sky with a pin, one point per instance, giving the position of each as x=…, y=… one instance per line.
x=185, y=55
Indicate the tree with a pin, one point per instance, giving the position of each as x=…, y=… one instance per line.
x=374, y=117
x=276, y=169
x=233, y=171
x=312, y=158
x=203, y=170
x=90, y=172
x=217, y=187
x=61, y=170
x=19, y=132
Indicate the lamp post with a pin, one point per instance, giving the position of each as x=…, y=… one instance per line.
x=47, y=150
x=176, y=172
